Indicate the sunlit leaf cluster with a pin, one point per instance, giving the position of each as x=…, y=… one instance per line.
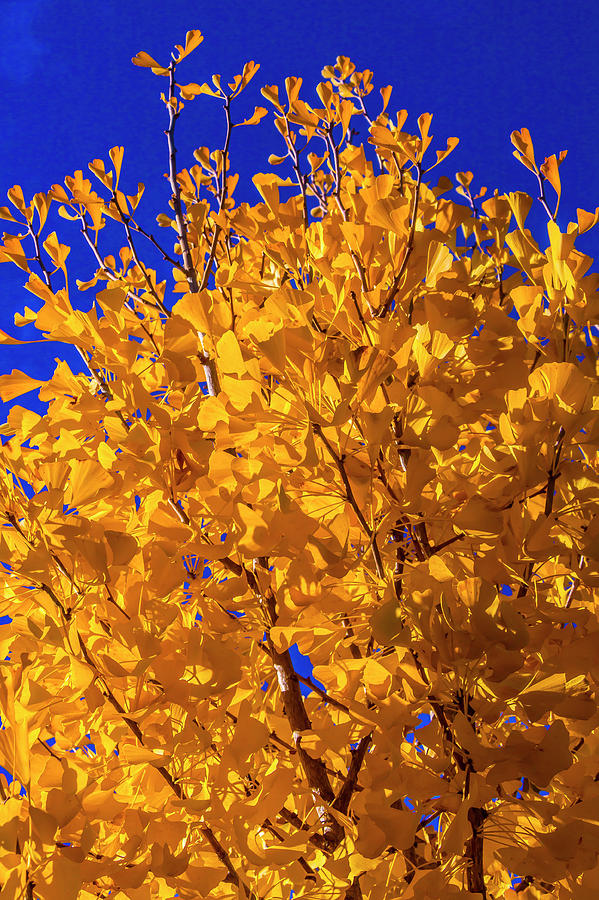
x=356, y=421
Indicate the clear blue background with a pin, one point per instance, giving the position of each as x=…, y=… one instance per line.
x=70, y=92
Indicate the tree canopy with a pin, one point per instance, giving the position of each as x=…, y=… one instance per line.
x=355, y=421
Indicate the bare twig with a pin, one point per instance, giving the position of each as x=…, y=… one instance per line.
x=126, y=221
x=222, y=194
x=334, y=152
x=150, y=237
x=96, y=373
x=210, y=372
x=392, y=292
x=543, y=197
x=553, y=471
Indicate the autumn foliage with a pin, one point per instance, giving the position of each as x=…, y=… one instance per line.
x=359, y=417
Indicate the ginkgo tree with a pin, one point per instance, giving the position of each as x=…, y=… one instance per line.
x=358, y=421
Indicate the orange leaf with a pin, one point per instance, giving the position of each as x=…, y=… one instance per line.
x=229, y=355
x=17, y=382
x=524, y=151
x=257, y=116
x=145, y=60
x=586, y=220
x=193, y=39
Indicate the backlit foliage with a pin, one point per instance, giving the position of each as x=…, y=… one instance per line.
x=359, y=417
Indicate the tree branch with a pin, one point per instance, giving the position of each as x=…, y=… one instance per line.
x=343, y=798
x=553, y=471
x=295, y=710
x=309, y=683
x=354, y=891
x=474, y=852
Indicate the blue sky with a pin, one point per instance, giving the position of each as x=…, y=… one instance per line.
x=70, y=93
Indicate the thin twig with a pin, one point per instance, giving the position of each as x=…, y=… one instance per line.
x=543, y=197
x=150, y=237
x=126, y=221
x=210, y=372
x=352, y=501
x=334, y=151
x=553, y=471
x=392, y=292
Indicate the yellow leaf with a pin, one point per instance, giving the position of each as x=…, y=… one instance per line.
x=392, y=214
x=240, y=82
x=561, y=244
x=563, y=382
x=550, y=169
x=386, y=95
x=17, y=382
x=257, y=116
x=116, y=155
x=520, y=205
x=271, y=92
x=250, y=736
x=479, y=518
x=57, y=251
x=229, y=358
x=106, y=456
x=5, y=213
x=386, y=623
x=464, y=178
x=98, y=169
x=88, y=479
x=82, y=675
x=123, y=547
x=256, y=537
x=43, y=825
x=552, y=755
x=167, y=865
x=439, y=569
x=15, y=195
x=196, y=308
x=145, y=60
x=524, y=152
x=21, y=738
x=193, y=39
x=273, y=347
x=139, y=756
x=455, y=835
x=397, y=825
x=586, y=220
x=191, y=90
x=452, y=143
x=63, y=881
x=424, y=123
